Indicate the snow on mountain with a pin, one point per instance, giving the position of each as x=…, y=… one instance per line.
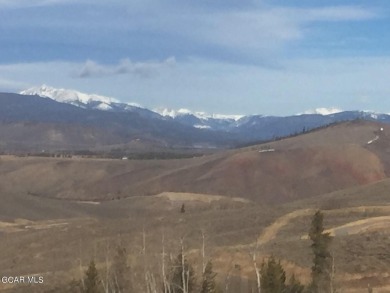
x=201, y=115
x=250, y=124
x=324, y=111
x=222, y=116
x=202, y=126
x=103, y=106
x=172, y=113
x=83, y=100
x=93, y=101
x=66, y=95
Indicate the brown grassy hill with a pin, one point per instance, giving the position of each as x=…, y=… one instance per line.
x=280, y=175
x=311, y=164
x=376, y=194
x=50, y=227
x=52, y=237
x=358, y=132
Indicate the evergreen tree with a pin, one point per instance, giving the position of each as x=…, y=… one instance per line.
x=121, y=271
x=91, y=281
x=208, y=284
x=273, y=277
x=182, y=273
x=321, y=269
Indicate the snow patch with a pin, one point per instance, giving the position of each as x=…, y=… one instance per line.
x=202, y=126
x=266, y=151
x=324, y=111
x=103, y=106
x=371, y=141
x=198, y=114
x=132, y=105
x=232, y=117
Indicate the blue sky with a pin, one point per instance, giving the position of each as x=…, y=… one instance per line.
x=222, y=56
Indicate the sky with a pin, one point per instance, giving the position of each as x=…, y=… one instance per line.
x=269, y=57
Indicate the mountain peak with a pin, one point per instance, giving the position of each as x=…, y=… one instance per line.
x=67, y=95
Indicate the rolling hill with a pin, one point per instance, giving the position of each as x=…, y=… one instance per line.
x=315, y=163
x=57, y=214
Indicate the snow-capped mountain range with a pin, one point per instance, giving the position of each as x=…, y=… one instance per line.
x=76, y=98
x=252, y=127
x=202, y=115
x=98, y=102
x=201, y=120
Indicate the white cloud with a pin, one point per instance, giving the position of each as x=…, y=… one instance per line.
x=257, y=30
x=339, y=13
x=218, y=87
x=125, y=66
x=30, y=3
x=254, y=32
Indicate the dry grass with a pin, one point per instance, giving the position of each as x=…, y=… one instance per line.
x=231, y=231
x=270, y=232
x=279, y=176
x=361, y=226
x=205, y=198
x=312, y=164
x=54, y=235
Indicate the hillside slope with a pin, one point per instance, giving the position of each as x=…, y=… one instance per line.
x=311, y=164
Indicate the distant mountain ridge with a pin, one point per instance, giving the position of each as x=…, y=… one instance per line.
x=33, y=122
x=228, y=123
x=70, y=119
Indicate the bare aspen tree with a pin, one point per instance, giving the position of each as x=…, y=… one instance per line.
x=332, y=274
x=228, y=275
x=81, y=268
x=257, y=270
x=183, y=269
x=150, y=281
x=167, y=287
x=81, y=272
x=144, y=259
x=143, y=241
x=106, y=282
x=203, y=252
x=116, y=284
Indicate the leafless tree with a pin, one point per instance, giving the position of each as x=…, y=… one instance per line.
x=256, y=268
x=203, y=252
x=228, y=275
x=167, y=287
